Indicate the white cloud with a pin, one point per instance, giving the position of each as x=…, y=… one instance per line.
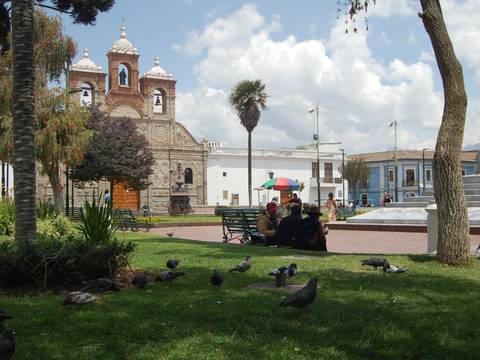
x=357, y=94
x=387, y=8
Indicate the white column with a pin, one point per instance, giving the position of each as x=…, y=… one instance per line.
x=432, y=228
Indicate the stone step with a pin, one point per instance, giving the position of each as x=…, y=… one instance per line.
x=418, y=204
x=427, y=193
x=467, y=190
x=470, y=179
x=471, y=186
x=472, y=191
x=418, y=199
x=473, y=203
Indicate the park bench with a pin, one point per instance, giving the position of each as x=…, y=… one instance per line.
x=74, y=213
x=240, y=224
x=344, y=213
x=125, y=220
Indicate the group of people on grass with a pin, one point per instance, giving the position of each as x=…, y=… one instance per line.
x=293, y=230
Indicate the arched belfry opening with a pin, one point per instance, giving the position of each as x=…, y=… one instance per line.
x=124, y=75
x=86, y=94
x=159, y=104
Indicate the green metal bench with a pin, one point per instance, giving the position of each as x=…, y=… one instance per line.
x=125, y=220
x=240, y=224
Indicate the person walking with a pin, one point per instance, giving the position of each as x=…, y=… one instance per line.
x=331, y=206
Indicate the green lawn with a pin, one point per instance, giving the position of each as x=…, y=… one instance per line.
x=432, y=312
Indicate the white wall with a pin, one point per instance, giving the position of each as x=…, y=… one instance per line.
x=293, y=164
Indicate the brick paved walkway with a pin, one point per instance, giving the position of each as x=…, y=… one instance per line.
x=342, y=241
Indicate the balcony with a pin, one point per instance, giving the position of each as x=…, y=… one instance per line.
x=327, y=181
x=410, y=183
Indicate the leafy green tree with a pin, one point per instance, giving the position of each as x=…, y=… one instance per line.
x=356, y=172
x=23, y=95
x=453, y=227
x=247, y=98
x=117, y=152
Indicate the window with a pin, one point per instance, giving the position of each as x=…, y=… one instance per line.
x=429, y=175
x=410, y=177
x=225, y=194
x=390, y=176
x=188, y=176
x=224, y=174
x=86, y=95
x=463, y=172
x=123, y=75
x=364, y=199
x=314, y=169
x=328, y=169
x=157, y=101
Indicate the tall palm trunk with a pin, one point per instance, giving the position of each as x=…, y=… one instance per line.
x=23, y=121
x=453, y=231
x=250, y=169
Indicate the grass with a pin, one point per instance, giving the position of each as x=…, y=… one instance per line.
x=431, y=312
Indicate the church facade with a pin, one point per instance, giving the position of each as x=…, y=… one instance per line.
x=149, y=99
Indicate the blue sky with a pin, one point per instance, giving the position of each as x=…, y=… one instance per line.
x=361, y=81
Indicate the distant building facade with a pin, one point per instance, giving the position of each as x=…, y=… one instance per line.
x=414, y=174
x=149, y=100
x=227, y=175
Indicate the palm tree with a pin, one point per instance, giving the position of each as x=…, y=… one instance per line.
x=23, y=112
x=247, y=97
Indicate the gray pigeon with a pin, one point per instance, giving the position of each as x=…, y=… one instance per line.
x=101, y=285
x=140, y=281
x=304, y=297
x=216, y=278
x=477, y=252
x=280, y=270
x=243, y=266
x=389, y=268
x=374, y=262
x=168, y=276
x=172, y=264
x=7, y=345
x=78, y=298
x=4, y=316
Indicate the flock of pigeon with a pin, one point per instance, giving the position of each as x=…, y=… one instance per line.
x=301, y=299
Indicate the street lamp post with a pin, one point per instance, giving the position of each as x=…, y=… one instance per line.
x=316, y=138
x=423, y=167
x=394, y=124
x=270, y=175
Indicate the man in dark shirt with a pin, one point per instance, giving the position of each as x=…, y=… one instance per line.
x=311, y=232
x=288, y=226
x=296, y=200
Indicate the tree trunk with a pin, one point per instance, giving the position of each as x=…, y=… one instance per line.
x=23, y=121
x=57, y=189
x=453, y=231
x=250, y=169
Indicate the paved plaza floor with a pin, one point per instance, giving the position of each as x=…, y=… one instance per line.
x=341, y=241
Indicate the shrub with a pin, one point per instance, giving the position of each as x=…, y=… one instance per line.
x=45, y=209
x=60, y=261
x=55, y=226
x=7, y=217
x=97, y=224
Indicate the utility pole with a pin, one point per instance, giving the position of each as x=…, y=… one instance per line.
x=316, y=138
x=343, y=177
x=394, y=124
x=423, y=167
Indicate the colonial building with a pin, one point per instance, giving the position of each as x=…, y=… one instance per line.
x=414, y=174
x=148, y=99
x=228, y=179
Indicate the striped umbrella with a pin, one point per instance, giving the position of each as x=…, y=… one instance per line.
x=282, y=184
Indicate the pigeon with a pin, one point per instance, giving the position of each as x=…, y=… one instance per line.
x=4, y=316
x=168, y=276
x=140, y=281
x=7, y=345
x=292, y=269
x=374, y=262
x=477, y=252
x=280, y=270
x=169, y=234
x=78, y=298
x=304, y=297
x=172, y=264
x=216, y=278
x=387, y=267
x=243, y=266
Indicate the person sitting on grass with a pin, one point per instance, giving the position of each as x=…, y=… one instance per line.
x=311, y=232
x=267, y=224
x=288, y=226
